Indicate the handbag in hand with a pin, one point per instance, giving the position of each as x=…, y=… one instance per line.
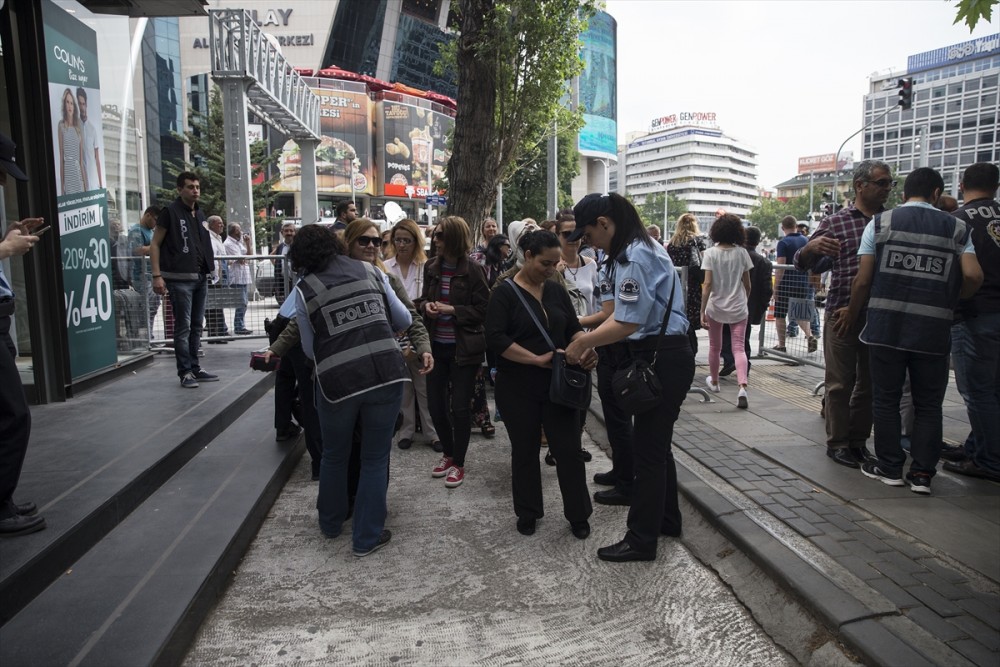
x=635, y=385
x=570, y=385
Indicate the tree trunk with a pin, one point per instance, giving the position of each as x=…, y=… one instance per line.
x=473, y=171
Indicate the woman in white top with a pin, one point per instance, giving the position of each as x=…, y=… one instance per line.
x=724, y=298
x=406, y=261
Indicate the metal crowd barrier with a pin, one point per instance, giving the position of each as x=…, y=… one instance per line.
x=144, y=320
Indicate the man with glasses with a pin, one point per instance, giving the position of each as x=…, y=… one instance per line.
x=834, y=247
x=347, y=211
x=914, y=263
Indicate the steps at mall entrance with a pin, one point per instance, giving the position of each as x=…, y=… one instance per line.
x=130, y=578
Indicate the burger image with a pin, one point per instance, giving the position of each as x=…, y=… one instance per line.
x=333, y=163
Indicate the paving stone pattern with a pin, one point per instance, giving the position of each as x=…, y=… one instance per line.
x=927, y=590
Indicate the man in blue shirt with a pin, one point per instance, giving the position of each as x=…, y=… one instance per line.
x=15, y=419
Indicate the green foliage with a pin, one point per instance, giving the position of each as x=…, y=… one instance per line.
x=524, y=194
x=513, y=61
x=651, y=211
x=768, y=212
x=971, y=11
x=206, y=143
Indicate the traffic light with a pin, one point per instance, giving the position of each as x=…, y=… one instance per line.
x=906, y=92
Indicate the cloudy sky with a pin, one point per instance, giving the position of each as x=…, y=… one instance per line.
x=787, y=77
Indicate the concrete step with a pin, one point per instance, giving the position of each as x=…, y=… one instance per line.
x=93, y=460
x=138, y=596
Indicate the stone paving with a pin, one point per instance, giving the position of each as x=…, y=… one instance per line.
x=922, y=591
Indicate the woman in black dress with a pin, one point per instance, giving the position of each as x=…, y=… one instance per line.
x=524, y=369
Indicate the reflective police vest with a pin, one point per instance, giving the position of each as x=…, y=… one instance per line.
x=918, y=276
x=354, y=346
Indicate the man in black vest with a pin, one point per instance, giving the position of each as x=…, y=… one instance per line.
x=347, y=212
x=915, y=262
x=975, y=336
x=181, y=257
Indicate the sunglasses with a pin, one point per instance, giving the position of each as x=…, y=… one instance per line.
x=402, y=241
x=365, y=241
x=884, y=183
x=438, y=235
x=566, y=235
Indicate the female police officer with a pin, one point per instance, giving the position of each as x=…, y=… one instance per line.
x=643, y=278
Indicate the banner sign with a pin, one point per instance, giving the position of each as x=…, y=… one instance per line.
x=345, y=125
x=81, y=200
x=599, y=88
x=826, y=162
x=412, y=150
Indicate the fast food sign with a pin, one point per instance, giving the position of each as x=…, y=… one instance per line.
x=412, y=149
x=345, y=128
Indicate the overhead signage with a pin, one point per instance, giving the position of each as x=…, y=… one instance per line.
x=956, y=53
x=412, y=148
x=275, y=17
x=825, y=162
x=81, y=200
x=345, y=125
x=684, y=118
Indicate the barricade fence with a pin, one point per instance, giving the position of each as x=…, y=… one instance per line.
x=792, y=330
x=245, y=291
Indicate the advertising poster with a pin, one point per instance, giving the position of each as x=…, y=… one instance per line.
x=598, y=88
x=412, y=148
x=346, y=128
x=81, y=201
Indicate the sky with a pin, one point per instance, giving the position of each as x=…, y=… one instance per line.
x=787, y=77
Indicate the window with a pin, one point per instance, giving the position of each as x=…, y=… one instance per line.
x=955, y=106
x=968, y=139
x=972, y=84
x=954, y=88
x=938, y=92
x=922, y=112
x=984, y=156
x=952, y=124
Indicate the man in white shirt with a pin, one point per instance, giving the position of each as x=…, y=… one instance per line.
x=91, y=144
x=238, y=243
x=215, y=318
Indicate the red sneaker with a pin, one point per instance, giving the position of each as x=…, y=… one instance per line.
x=455, y=477
x=441, y=469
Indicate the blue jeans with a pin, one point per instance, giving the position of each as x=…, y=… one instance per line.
x=240, y=315
x=377, y=409
x=928, y=382
x=975, y=352
x=188, y=300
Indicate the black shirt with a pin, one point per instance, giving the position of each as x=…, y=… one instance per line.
x=507, y=321
x=983, y=215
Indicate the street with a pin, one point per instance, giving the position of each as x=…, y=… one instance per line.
x=457, y=585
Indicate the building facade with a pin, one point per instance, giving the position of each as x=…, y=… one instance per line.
x=953, y=121
x=686, y=155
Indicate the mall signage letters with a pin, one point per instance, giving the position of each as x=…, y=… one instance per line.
x=270, y=17
x=683, y=118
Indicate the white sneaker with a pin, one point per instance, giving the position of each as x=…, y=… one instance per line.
x=711, y=387
x=741, y=399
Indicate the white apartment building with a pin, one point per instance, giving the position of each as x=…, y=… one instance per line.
x=953, y=121
x=686, y=155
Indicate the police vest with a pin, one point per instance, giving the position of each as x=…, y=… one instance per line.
x=354, y=346
x=918, y=276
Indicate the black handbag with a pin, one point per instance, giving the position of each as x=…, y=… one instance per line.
x=635, y=385
x=570, y=385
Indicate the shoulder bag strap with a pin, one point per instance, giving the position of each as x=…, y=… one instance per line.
x=531, y=312
x=666, y=318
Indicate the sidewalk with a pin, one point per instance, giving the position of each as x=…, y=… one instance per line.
x=901, y=579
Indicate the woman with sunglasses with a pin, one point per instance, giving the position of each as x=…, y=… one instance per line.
x=359, y=373
x=453, y=304
x=647, y=299
x=406, y=262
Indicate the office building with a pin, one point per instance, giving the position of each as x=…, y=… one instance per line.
x=953, y=121
x=688, y=156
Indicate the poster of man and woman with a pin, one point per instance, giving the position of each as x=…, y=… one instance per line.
x=78, y=138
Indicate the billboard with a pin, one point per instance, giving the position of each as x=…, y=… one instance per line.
x=412, y=148
x=599, y=88
x=825, y=162
x=81, y=200
x=346, y=129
